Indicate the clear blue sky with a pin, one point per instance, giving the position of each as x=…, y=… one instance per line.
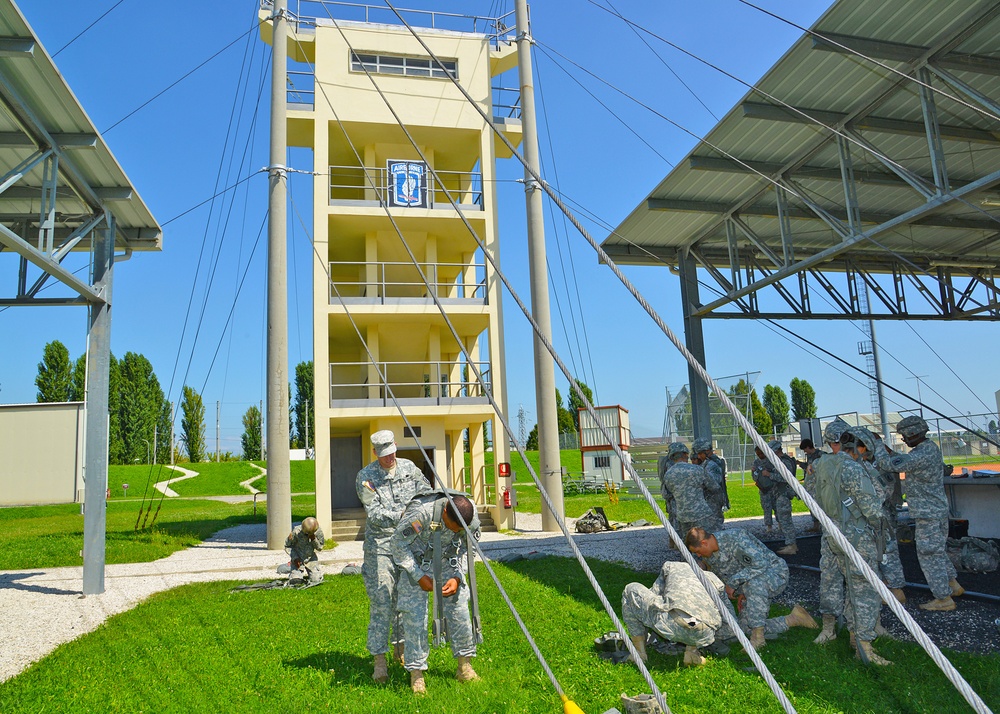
x=176, y=152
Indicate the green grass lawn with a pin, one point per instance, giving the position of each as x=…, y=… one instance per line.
x=216, y=479
x=200, y=648
x=745, y=502
x=52, y=536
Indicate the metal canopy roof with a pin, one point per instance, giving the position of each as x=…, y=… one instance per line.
x=39, y=112
x=835, y=164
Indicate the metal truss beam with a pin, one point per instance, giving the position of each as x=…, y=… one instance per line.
x=771, y=211
x=947, y=292
x=41, y=260
x=800, y=115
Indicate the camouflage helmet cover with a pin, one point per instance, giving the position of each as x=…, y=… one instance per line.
x=834, y=430
x=856, y=434
x=912, y=426
x=677, y=447
x=774, y=445
x=700, y=445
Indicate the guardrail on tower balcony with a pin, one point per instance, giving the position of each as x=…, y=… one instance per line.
x=372, y=184
x=412, y=383
x=389, y=281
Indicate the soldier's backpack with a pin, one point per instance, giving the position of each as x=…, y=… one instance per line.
x=826, y=483
x=593, y=521
x=973, y=555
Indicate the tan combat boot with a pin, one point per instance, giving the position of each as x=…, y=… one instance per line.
x=829, y=633
x=880, y=631
x=417, y=681
x=956, y=589
x=870, y=654
x=757, y=638
x=639, y=641
x=941, y=604
x=899, y=595
x=465, y=672
x=798, y=617
x=692, y=657
x=381, y=673
x=792, y=549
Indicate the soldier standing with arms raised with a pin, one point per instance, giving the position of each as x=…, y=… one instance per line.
x=385, y=487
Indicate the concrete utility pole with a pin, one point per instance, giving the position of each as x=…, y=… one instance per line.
x=879, y=390
x=545, y=379
x=279, y=491
x=173, y=415
x=218, y=415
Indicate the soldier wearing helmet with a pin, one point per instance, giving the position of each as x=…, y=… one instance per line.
x=860, y=520
x=831, y=579
x=687, y=485
x=781, y=493
x=924, y=486
x=302, y=545
x=703, y=455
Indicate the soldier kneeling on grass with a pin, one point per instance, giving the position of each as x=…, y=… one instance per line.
x=753, y=574
x=302, y=545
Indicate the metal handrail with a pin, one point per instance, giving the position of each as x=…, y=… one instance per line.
x=401, y=279
x=296, y=93
x=434, y=381
x=497, y=29
x=353, y=183
x=501, y=104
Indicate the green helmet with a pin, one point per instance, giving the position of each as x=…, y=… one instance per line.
x=858, y=434
x=310, y=525
x=912, y=426
x=677, y=448
x=834, y=430
x=774, y=445
x=700, y=445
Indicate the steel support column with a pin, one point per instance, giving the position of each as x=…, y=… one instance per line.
x=694, y=340
x=96, y=439
x=934, y=143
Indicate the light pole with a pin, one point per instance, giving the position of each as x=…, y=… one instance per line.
x=920, y=400
x=146, y=441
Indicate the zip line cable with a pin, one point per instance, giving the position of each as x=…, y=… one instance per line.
x=568, y=704
x=949, y=367
x=87, y=28
x=779, y=694
x=790, y=188
x=178, y=81
x=953, y=675
x=930, y=191
x=572, y=263
x=211, y=198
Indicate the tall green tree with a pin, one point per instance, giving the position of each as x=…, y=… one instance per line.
x=576, y=404
x=758, y=414
x=140, y=407
x=163, y=444
x=564, y=419
x=193, y=424
x=78, y=388
x=305, y=408
x=803, y=399
x=116, y=446
x=776, y=405
x=55, y=374
x=251, y=439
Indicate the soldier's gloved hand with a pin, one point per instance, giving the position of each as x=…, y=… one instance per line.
x=450, y=587
x=426, y=584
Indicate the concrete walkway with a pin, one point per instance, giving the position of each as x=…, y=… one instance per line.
x=247, y=484
x=164, y=486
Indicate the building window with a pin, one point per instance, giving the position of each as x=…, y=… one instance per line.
x=602, y=462
x=406, y=66
x=409, y=433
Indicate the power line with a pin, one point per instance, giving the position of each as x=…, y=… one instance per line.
x=87, y=28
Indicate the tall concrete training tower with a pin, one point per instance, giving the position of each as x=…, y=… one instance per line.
x=362, y=92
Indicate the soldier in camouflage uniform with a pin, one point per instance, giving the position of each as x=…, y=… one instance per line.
x=663, y=464
x=753, y=574
x=302, y=544
x=812, y=454
x=782, y=494
x=412, y=547
x=763, y=485
x=688, y=484
x=384, y=486
x=928, y=505
x=714, y=466
x=861, y=523
x=890, y=567
x=831, y=577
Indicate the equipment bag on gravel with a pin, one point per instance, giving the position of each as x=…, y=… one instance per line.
x=973, y=555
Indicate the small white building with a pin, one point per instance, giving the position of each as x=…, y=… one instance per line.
x=599, y=458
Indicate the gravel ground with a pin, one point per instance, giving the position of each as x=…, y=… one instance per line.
x=51, y=600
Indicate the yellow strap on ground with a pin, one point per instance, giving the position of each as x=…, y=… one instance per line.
x=569, y=706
